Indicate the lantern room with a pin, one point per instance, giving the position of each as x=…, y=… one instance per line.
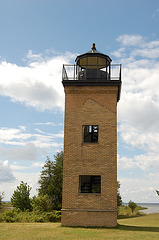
x=94, y=65
x=92, y=68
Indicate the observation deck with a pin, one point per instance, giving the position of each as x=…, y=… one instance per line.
x=92, y=69
x=92, y=75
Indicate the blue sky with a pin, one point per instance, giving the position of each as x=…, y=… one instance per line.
x=36, y=38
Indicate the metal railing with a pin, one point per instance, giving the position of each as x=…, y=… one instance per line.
x=91, y=73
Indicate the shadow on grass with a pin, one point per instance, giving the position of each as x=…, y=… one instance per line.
x=120, y=227
x=137, y=228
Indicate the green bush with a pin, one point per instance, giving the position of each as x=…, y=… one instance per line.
x=39, y=219
x=41, y=203
x=16, y=215
x=11, y=215
x=54, y=216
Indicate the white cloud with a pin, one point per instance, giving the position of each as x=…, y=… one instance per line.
x=18, y=167
x=145, y=162
x=26, y=144
x=139, y=190
x=6, y=174
x=151, y=53
x=130, y=40
x=138, y=114
x=119, y=53
x=38, y=164
x=9, y=134
x=10, y=178
x=27, y=152
x=135, y=51
x=38, y=84
x=32, y=166
x=47, y=123
x=126, y=163
x=30, y=178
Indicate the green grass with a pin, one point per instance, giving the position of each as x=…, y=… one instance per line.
x=125, y=212
x=137, y=228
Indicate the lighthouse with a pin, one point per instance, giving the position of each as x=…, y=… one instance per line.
x=92, y=90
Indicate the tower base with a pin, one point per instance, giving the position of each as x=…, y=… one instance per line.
x=89, y=218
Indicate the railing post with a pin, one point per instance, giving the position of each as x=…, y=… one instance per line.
x=63, y=72
x=110, y=71
x=120, y=73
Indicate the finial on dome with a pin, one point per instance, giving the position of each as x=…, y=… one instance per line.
x=93, y=47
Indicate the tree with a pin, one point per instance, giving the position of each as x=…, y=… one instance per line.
x=1, y=197
x=132, y=205
x=119, y=199
x=41, y=203
x=51, y=180
x=20, y=198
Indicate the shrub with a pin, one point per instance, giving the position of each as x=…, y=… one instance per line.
x=41, y=203
x=16, y=215
x=11, y=215
x=54, y=216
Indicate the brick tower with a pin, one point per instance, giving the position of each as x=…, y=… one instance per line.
x=92, y=90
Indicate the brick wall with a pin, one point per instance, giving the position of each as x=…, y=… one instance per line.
x=89, y=219
x=90, y=105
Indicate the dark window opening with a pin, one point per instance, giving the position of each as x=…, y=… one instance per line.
x=89, y=184
x=90, y=133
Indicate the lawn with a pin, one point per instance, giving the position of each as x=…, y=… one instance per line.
x=137, y=228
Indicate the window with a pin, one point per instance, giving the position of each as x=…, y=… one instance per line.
x=89, y=184
x=90, y=133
